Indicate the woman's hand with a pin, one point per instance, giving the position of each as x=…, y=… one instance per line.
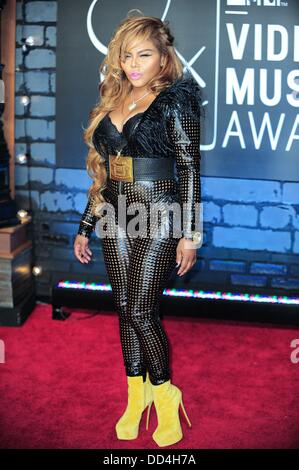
x=185, y=255
x=81, y=250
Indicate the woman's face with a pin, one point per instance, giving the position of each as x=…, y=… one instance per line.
x=141, y=63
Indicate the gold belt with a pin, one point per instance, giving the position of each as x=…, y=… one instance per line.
x=121, y=167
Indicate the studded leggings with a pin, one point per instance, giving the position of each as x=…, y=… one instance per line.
x=138, y=268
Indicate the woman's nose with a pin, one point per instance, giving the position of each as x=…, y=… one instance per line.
x=134, y=62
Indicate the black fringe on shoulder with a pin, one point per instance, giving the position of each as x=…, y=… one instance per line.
x=181, y=98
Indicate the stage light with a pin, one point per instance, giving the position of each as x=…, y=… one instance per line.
x=21, y=158
x=37, y=270
x=23, y=216
x=25, y=100
x=215, y=295
x=30, y=41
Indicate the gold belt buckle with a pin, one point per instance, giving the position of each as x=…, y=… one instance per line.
x=121, y=167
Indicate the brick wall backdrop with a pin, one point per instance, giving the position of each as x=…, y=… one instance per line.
x=251, y=227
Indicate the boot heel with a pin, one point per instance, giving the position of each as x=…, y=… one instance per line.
x=185, y=414
x=148, y=414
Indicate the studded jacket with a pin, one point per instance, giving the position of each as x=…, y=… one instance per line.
x=168, y=128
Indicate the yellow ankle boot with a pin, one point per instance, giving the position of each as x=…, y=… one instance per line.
x=139, y=398
x=167, y=399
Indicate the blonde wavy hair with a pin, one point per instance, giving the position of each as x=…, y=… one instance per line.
x=115, y=87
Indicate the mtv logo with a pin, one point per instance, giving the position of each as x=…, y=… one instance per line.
x=244, y=3
x=272, y=3
x=236, y=3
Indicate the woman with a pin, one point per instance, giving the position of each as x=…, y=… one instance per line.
x=143, y=140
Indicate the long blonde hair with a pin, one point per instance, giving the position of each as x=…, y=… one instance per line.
x=115, y=87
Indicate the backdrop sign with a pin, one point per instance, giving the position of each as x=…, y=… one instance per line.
x=241, y=52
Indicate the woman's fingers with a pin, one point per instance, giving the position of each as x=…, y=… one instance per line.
x=84, y=257
x=178, y=258
x=88, y=251
x=184, y=268
x=186, y=256
x=83, y=253
x=187, y=264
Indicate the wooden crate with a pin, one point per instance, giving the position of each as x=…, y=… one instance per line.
x=13, y=237
x=16, y=277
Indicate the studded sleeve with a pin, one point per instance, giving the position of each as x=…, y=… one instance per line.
x=88, y=220
x=184, y=130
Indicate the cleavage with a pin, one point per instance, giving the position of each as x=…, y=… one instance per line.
x=131, y=117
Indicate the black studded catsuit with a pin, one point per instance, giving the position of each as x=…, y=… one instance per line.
x=138, y=268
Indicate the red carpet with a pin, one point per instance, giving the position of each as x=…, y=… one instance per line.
x=63, y=384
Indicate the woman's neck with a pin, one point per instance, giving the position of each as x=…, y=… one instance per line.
x=138, y=92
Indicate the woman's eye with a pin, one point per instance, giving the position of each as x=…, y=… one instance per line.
x=142, y=55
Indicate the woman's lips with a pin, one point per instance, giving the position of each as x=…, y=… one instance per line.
x=135, y=75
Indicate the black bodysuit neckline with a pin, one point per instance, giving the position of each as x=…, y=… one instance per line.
x=128, y=120
x=146, y=133
x=146, y=110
